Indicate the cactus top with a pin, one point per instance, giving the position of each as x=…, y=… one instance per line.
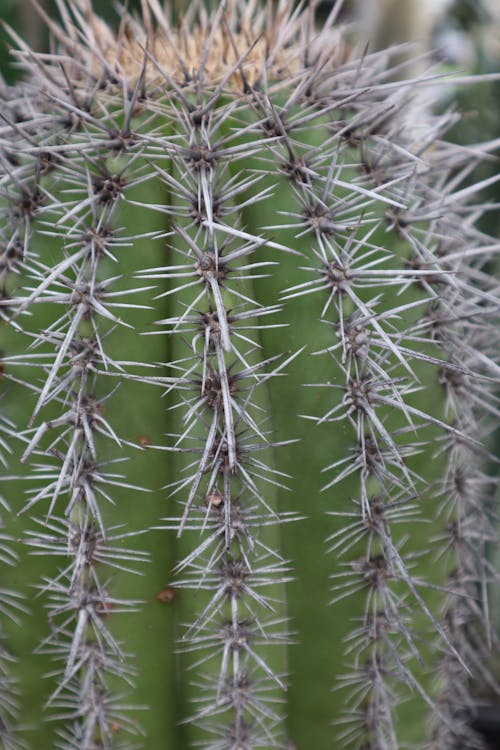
x=241, y=43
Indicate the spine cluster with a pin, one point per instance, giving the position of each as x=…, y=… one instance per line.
x=13, y=239
x=400, y=267
x=157, y=144
x=463, y=322
x=226, y=484
x=60, y=200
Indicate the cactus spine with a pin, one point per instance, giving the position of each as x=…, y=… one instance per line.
x=265, y=201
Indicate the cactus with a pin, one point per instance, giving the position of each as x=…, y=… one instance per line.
x=248, y=353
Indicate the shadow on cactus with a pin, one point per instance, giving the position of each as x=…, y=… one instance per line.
x=248, y=356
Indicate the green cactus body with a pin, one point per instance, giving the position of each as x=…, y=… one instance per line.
x=246, y=320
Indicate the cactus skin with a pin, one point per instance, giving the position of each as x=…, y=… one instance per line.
x=264, y=201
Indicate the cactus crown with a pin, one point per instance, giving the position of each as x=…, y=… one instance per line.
x=264, y=197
